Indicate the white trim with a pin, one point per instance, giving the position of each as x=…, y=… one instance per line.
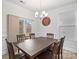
x=70, y=49
x=4, y=46
x=4, y=51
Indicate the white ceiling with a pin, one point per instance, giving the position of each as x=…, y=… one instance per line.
x=45, y=4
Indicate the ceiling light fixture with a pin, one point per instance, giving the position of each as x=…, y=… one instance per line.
x=41, y=13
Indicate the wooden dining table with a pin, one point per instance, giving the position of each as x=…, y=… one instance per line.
x=33, y=47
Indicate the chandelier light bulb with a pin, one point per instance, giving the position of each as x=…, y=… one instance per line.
x=36, y=14
x=43, y=12
x=46, y=14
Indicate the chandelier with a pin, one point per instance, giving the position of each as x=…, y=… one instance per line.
x=41, y=13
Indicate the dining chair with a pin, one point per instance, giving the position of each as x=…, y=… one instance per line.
x=47, y=55
x=32, y=35
x=11, y=52
x=60, y=49
x=20, y=38
x=50, y=35
x=56, y=52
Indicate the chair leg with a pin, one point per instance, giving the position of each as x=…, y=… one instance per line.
x=58, y=56
x=54, y=57
x=61, y=54
x=26, y=57
x=18, y=50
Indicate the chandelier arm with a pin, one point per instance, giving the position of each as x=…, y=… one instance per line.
x=41, y=13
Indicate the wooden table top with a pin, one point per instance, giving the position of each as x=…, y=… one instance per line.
x=33, y=46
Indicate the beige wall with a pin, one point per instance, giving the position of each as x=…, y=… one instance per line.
x=13, y=27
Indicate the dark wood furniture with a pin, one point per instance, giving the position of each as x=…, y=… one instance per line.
x=20, y=38
x=33, y=47
x=11, y=52
x=48, y=55
x=50, y=35
x=32, y=35
x=56, y=52
x=60, y=50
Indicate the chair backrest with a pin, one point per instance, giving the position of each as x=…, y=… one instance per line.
x=61, y=44
x=20, y=37
x=32, y=35
x=10, y=50
x=50, y=35
x=55, y=47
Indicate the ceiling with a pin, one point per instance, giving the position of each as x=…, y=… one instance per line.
x=42, y=4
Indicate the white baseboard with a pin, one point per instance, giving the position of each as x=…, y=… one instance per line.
x=4, y=51
x=4, y=46
x=71, y=49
